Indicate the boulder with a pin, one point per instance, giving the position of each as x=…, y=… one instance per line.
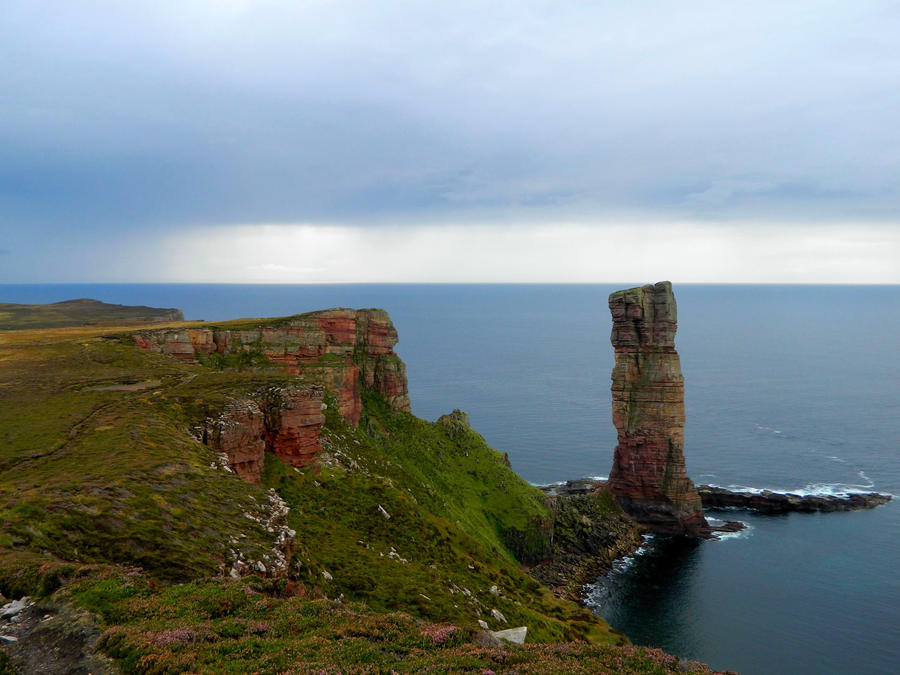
x=514, y=635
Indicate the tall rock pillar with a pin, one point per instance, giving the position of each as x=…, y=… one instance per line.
x=648, y=475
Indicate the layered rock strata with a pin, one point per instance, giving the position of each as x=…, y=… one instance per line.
x=339, y=348
x=648, y=476
x=343, y=351
x=286, y=421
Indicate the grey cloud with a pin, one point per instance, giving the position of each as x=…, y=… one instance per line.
x=157, y=115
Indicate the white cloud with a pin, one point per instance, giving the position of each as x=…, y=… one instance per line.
x=529, y=253
x=562, y=252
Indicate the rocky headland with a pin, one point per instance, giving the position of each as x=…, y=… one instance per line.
x=767, y=501
x=339, y=348
x=761, y=501
x=83, y=311
x=344, y=352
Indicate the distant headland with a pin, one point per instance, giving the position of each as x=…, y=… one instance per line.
x=81, y=312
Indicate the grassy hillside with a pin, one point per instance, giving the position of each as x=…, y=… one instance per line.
x=407, y=531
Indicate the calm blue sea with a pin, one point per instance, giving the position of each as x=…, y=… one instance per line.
x=787, y=387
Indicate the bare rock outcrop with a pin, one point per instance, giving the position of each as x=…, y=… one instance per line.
x=648, y=476
x=286, y=421
x=238, y=434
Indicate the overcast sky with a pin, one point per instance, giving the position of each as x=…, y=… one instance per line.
x=305, y=141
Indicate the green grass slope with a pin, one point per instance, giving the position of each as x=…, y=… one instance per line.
x=97, y=465
x=407, y=533
x=394, y=527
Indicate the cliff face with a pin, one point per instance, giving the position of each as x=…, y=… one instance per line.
x=284, y=421
x=343, y=351
x=648, y=475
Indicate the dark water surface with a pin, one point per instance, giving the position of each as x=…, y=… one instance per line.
x=787, y=387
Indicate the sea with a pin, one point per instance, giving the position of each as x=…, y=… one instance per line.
x=791, y=388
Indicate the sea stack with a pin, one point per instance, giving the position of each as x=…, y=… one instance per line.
x=648, y=476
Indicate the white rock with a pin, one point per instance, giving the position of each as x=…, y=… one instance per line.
x=387, y=516
x=495, y=590
x=483, y=624
x=10, y=609
x=514, y=635
x=327, y=575
x=497, y=615
x=260, y=566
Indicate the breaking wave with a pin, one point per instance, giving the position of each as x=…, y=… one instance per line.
x=598, y=593
x=812, y=489
x=722, y=536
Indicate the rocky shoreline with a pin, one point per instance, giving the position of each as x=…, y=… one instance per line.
x=585, y=535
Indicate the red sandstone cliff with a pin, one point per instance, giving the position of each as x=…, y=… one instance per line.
x=648, y=476
x=343, y=351
x=285, y=421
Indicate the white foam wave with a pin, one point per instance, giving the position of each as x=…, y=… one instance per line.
x=619, y=565
x=563, y=482
x=596, y=594
x=763, y=428
x=810, y=489
x=740, y=534
x=721, y=536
